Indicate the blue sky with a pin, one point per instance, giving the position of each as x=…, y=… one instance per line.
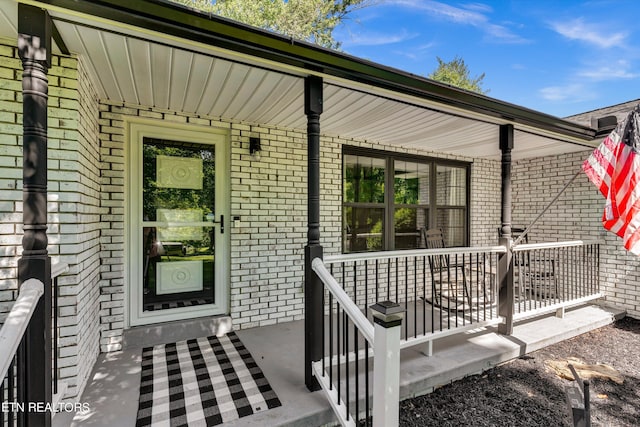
x=560, y=57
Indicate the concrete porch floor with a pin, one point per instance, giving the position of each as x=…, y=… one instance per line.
x=113, y=389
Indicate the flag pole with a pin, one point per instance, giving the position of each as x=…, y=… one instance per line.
x=526, y=230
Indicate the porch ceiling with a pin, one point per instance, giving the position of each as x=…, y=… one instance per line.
x=138, y=66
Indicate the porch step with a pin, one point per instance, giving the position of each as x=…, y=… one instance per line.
x=168, y=332
x=454, y=358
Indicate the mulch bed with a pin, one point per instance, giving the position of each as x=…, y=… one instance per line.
x=524, y=392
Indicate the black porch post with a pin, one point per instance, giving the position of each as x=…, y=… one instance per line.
x=34, y=48
x=313, y=289
x=505, y=267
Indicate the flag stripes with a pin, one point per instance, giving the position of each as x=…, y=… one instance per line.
x=614, y=168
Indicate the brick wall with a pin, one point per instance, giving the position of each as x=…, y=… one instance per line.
x=10, y=174
x=269, y=196
x=576, y=215
x=73, y=203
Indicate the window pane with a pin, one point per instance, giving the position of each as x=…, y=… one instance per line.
x=408, y=222
x=451, y=221
x=451, y=186
x=363, y=229
x=176, y=177
x=411, y=183
x=363, y=179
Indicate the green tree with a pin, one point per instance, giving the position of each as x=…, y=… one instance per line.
x=456, y=73
x=311, y=20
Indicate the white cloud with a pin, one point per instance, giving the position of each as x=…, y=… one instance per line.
x=378, y=39
x=417, y=52
x=473, y=14
x=480, y=7
x=574, y=92
x=616, y=71
x=594, y=34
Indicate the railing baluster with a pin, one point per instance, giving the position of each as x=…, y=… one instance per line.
x=415, y=296
x=388, y=279
x=55, y=335
x=366, y=286
x=323, y=333
x=2, y=393
x=406, y=296
x=575, y=272
x=546, y=290
x=345, y=324
x=10, y=389
x=424, y=300
x=566, y=284
x=3, y=400
x=20, y=378
x=338, y=349
x=357, y=373
x=397, y=277
x=377, y=282
x=331, y=340
x=367, y=409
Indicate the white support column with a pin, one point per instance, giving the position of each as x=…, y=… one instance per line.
x=387, y=317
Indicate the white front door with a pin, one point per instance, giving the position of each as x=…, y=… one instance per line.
x=178, y=222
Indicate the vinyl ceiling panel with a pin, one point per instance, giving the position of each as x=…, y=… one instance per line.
x=8, y=19
x=141, y=68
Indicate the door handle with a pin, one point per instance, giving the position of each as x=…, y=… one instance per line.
x=221, y=222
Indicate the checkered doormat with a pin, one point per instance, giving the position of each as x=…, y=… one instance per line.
x=201, y=382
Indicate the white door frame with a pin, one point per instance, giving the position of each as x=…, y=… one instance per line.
x=136, y=130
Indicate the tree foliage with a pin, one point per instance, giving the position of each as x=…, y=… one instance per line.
x=456, y=73
x=311, y=20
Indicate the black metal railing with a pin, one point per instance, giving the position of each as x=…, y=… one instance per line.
x=14, y=353
x=440, y=289
x=548, y=276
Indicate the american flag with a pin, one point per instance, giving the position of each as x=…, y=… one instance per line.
x=614, y=167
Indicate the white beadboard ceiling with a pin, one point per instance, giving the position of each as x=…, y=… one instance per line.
x=131, y=66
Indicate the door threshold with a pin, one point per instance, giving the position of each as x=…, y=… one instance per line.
x=179, y=330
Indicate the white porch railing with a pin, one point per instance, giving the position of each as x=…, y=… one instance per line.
x=15, y=355
x=552, y=276
x=17, y=322
x=442, y=292
x=328, y=371
x=12, y=351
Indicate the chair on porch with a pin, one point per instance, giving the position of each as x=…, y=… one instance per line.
x=451, y=276
x=537, y=275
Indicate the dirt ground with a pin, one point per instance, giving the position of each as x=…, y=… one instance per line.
x=524, y=392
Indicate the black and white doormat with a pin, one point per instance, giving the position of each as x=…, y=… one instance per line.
x=201, y=382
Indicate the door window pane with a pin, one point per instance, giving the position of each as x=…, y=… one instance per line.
x=363, y=229
x=178, y=199
x=177, y=177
